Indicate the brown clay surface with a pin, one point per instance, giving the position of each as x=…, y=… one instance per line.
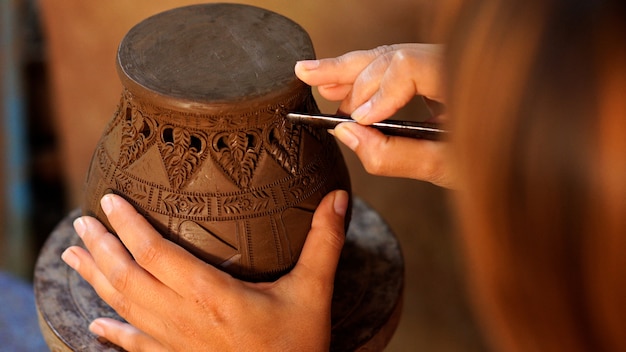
x=366, y=307
x=200, y=143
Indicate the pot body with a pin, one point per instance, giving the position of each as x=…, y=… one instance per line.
x=200, y=144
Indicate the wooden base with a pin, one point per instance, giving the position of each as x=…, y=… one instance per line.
x=366, y=305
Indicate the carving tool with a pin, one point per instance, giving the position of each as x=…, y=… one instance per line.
x=411, y=129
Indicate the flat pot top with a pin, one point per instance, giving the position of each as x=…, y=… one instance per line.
x=213, y=53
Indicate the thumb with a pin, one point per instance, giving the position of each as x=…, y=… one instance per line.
x=398, y=156
x=321, y=251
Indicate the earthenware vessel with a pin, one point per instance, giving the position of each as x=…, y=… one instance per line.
x=200, y=145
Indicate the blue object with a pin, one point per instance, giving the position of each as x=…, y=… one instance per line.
x=14, y=143
x=19, y=329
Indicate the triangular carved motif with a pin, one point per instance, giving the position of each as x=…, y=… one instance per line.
x=182, y=152
x=138, y=134
x=237, y=153
x=282, y=141
x=311, y=106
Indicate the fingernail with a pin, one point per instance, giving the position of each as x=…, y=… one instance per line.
x=331, y=132
x=344, y=133
x=362, y=111
x=96, y=328
x=341, y=202
x=80, y=227
x=308, y=64
x=107, y=204
x=70, y=258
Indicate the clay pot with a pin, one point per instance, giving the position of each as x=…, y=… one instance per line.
x=200, y=144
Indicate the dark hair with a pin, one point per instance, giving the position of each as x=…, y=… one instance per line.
x=537, y=94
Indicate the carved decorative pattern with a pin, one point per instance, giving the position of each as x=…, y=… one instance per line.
x=218, y=122
x=211, y=161
x=250, y=202
x=138, y=134
x=191, y=205
x=317, y=133
x=103, y=160
x=301, y=187
x=237, y=153
x=247, y=203
x=138, y=191
x=283, y=143
x=182, y=151
x=297, y=190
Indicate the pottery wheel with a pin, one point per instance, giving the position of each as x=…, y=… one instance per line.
x=366, y=303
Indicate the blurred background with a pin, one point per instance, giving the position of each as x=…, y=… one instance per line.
x=59, y=89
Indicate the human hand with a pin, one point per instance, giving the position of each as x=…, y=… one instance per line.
x=372, y=85
x=175, y=302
